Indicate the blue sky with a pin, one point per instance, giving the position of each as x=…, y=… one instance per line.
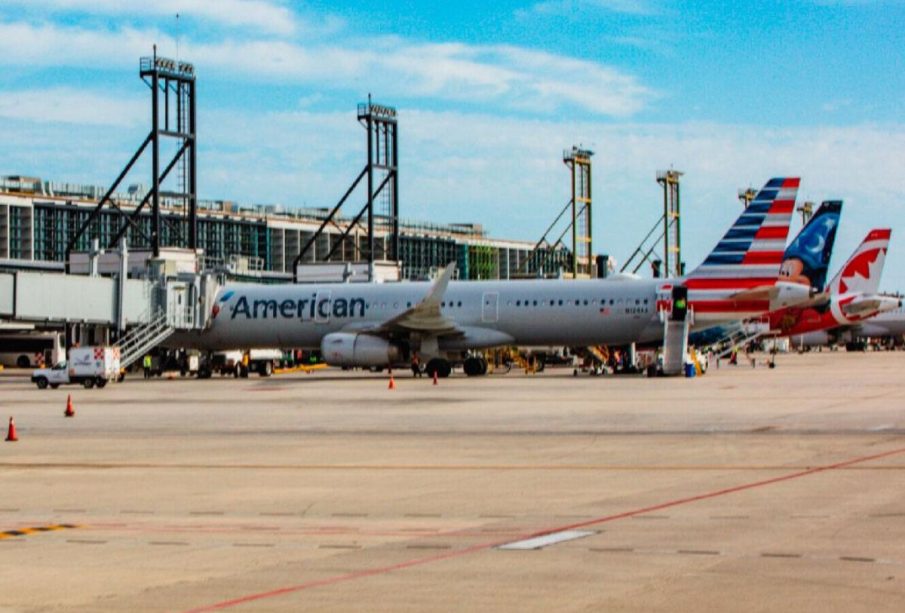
x=489, y=95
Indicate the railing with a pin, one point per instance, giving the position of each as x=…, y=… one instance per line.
x=143, y=338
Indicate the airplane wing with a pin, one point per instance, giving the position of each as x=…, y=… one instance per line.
x=765, y=292
x=772, y=292
x=869, y=304
x=861, y=306
x=425, y=317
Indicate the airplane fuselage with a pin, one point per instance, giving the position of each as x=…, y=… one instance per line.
x=491, y=313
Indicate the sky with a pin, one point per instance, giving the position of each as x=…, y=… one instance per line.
x=489, y=94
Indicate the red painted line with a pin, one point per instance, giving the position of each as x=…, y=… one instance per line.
x=226, y=604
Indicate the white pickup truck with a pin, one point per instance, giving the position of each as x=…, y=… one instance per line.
x=89, y=366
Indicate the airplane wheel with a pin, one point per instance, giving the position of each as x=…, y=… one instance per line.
x=483, y=366
x=472, y=367
x=439, y=366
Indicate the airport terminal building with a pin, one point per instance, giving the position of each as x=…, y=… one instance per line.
x=38, y=219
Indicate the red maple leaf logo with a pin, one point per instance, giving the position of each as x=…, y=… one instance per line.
x=858, y=266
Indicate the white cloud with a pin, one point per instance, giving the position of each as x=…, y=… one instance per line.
x=508, y=76
x=506, y=172
x=71, y=106
x=259, y=15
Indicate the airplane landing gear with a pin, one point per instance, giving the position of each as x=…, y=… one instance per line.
x=440, y=366
x=475, y=366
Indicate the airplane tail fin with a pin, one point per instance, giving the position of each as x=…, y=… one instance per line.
x=750, y=253
x=861, y=273
x=807, y=258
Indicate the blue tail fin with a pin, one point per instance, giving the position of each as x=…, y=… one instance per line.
x=807, y=258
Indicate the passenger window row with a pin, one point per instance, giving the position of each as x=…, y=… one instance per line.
x=577, y=302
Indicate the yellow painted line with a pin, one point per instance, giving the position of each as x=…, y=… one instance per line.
x=306, y=369
x=8, y=534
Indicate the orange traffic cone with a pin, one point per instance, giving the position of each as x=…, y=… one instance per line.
x=11, y=433
x=435, y=377
x=69, y=412
x=392, y=384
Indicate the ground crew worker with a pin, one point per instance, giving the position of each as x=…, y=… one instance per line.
x=147, y=365
x=416, y=365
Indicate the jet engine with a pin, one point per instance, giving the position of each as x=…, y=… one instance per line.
x=353, y=349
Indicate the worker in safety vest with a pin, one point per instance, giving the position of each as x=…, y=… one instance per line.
x=147, y=365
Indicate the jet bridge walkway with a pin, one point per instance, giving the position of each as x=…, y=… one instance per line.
x=139, y=313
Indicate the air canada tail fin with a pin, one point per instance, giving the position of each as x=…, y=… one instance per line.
x=750, y=253
x=807, y=258
x=861, y=273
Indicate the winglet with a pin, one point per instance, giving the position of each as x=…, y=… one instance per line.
x=425, y=316
x=435, y=296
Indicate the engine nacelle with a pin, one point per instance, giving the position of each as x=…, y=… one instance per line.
x=352, y=349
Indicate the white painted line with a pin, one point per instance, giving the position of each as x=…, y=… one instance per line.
x=539, y=542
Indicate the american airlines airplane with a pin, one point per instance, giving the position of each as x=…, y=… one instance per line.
x=382, y=324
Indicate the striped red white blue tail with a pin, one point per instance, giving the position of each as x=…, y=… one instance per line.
x=750, y=253
x=739, y=278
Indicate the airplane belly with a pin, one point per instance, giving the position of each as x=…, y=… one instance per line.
x=581, y=330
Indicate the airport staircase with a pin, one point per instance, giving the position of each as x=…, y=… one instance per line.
x=141, y=339
x=737, y=336
x=600, y=353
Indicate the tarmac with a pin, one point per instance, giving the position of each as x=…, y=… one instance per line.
x=748, y=489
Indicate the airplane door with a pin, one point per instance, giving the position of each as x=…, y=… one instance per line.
x=490, y=307
x=323, y=306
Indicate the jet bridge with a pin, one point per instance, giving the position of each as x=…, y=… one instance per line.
x=134, y=299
